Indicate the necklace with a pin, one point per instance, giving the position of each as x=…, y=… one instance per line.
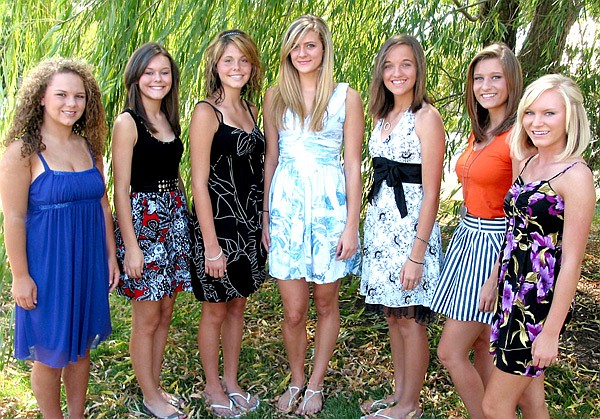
x=387, y=125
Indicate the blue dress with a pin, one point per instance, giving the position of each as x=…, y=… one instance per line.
x=307, y=199
x=67, y=258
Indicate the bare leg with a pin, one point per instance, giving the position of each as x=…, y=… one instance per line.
x=76, y=377
x=161, y=335
x=484, y=361
x=453, y=351
x=45, y=383
x=295, y=297
x=326, y=298
x=232, y=332
x=533, y=401
x=145, y=322
x=209, y=342
x=414, y=364
x=502, y=394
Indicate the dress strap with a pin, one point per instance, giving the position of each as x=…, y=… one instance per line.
x=91, y=153
x=218, y=113
x=526, y=163
x=250, y=111
x=43, y=160
x=563, y=170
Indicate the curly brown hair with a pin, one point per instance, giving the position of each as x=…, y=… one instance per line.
x=29, y=113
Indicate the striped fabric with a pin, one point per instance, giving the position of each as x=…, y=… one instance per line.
x=469, y=260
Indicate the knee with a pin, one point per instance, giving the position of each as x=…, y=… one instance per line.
x=214, y=313
x=445, y=354
x=489, y=405
x=236, y=307
x=294, y=318
x=327, y=308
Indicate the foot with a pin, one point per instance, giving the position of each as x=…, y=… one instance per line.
x=371, y=406
x=395, y=412
x=173, y=399
x=244, y=401
x=287, y=401
x=163, y=411
x=221, y=405
x=312, y=402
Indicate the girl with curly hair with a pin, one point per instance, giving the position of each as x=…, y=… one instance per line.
x=58, y=230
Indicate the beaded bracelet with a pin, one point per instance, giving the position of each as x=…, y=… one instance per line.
x=423, y=240
x=216, y=257
x=414, y=261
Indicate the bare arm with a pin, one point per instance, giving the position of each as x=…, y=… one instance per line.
x=579, y=210
x=354, y=130
x=203, y=127
x=271, y=160
x=430, y=130
x=111, y=247
x=123, y=141
x=15, y=179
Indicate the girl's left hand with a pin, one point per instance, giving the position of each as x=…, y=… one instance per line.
x=114, y=274
x=411, y=275
x=347, y=245
x=544, y=350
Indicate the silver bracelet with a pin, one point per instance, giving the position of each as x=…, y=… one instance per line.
x=423, y=240
x=216, y=257
x=414, y=261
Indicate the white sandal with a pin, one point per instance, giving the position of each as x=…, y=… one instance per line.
x=309, y=394
x=250, y=408
x=294, y=395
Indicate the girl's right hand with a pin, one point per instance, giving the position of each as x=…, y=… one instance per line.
x=133, y=264
x=24, y=291
x=489, y=293
x=266, y=236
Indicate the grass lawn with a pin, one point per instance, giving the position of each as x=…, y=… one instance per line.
x=361, y=367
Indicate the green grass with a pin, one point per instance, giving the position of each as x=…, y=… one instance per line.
x=361, y=367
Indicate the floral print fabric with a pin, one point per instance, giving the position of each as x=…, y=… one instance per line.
x=389, y=236
x=307, y=199
x=531, y=257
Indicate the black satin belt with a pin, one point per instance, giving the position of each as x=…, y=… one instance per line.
x=395, y=174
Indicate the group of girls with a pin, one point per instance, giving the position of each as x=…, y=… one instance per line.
x=287, y=194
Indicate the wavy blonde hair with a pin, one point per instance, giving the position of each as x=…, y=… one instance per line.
x=29, y=113
x=479, y=116
x=287, y=94
x=576, y=121
x=214, y=52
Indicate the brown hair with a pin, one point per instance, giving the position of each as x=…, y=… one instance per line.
x=214, y=52
x=135, y=68
x=480, y=117
x=29, y=114
x=381, y=100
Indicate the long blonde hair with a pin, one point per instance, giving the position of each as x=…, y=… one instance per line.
x=288, y=94
x=576, y=122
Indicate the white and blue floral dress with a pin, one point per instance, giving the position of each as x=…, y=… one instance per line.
x=307, y=199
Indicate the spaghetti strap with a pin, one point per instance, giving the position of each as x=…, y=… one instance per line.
x=91, y=154
x=218, y=113
x=526, y=163
x=250, y=111
x=43, y=160
x=563, y=171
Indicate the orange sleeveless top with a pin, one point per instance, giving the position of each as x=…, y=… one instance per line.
x=486, y=176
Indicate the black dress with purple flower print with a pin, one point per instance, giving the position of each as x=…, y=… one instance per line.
x=531, y=257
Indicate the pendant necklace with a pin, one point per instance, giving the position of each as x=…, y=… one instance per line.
x=388, y=125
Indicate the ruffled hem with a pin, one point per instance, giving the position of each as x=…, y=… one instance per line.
x=421, y=314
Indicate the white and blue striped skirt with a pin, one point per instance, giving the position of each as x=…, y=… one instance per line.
x=470, y=258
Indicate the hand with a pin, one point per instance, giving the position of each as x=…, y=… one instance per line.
x=215, y=268
x=411, y=275
x=266, y=236
x=24, y=291
x=133, y=264
x=489, y=293
x=113, y=274
x=347, y=245
x=544, y=350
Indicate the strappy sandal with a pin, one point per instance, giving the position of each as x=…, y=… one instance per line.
x=371, y=406
x=232, y=409
x=378, y=414
x=249, y=407
x=309, y=394
x=294, y=396
x=173, y=399
x=177, y=415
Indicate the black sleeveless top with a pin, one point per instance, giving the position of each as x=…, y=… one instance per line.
x=153, y=161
